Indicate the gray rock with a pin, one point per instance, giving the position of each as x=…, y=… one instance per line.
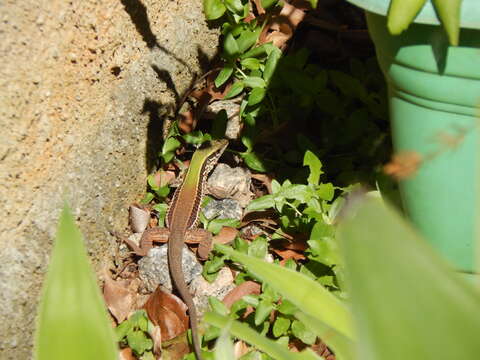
x=232, y=107
x=202, y=289
x=153, y=268
x=223, y=209
x=234, y=183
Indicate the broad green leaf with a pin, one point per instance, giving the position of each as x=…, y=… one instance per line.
x=139, y=342
x=298, y=289
x=224, y=75
x=230, y=46
x=247, y=334
x=301, y=332
x=263, y=310
x=254, y=162
x=348, y=85
x=326, y=191
x=256, y=96
x=247, y=39
x=236, y=89
x=271, y=64
x=254, y=82
x=258, y=248
x=315, y=166
x=216, y=225
x=170, y=145
x=213, y=9
x=72, y=320
x=280, y=326
x=217, y=306
x=401, y=14
x=261, y=203
x=449, y=13
x=234, y=5
x=251, y=63
x=406, y=299
x=341, y=345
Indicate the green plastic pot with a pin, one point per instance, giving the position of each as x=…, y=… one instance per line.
x=434, y=97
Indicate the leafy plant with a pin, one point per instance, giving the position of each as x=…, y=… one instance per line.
x=401, y=14
x=134, y=333
x=72, y=320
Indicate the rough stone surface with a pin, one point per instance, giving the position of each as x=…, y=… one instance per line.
x=153, y=269
x=202, y=289
x=223, y=209
x=83, y=88
x=234, y=183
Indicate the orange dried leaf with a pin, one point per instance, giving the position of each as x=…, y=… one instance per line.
x=126, y=354
x=167, y=311
x=226, y=235
x=245, y=288
x=403, y=165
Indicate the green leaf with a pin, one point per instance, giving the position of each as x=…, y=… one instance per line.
x=236, y=89
x=235, y=6
x=348, y=85
x=217, y=306
x=254, y=82
x=230, y=46
x=287, y=308
x=256, y=96
x=414, y=293
x=213, y=9
x=244, y=332
x=240, y=245
x=139, y=342
x=315, y=165
x=325, y=250
x=261, y=203
x=263, y=310
x=170, y=145
x=401, y=13
x=161, y=210
x=258, y=248
x=216, y=225
x=301, y=332
x=72, y=318
x=298, y=289
x=253, y=161
x=271, y=64
x=123, y=329
x=326, y=191
x=224, y=75
x=268, y=3
x=280, y=326
x=250, y=63
x=449, y=13
x=247, y=39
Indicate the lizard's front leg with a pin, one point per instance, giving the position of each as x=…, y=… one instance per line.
x=149, y=236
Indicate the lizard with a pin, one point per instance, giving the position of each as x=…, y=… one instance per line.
x=181, y=221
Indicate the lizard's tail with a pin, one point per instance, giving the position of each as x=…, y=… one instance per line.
x=176, y=272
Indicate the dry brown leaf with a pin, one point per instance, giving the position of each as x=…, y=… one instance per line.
x=289, y=254
x=293, y=14
x=226, y=235
x=126, y=354
x=156, y=335
x=163, y=177
x=119, y=297
x=245, y=288
x=167, y=311
x=403, y=165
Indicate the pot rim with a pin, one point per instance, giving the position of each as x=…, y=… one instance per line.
x=469, y=12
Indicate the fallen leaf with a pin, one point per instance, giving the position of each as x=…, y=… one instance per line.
x=226, y=235
x=119, y=298
x=156, y=335
x=265, y=179
x=245, y=288
x=167, y=311
x=289, y=254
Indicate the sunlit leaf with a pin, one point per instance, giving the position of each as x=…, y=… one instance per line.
x=72, y=319
x=213, y=9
